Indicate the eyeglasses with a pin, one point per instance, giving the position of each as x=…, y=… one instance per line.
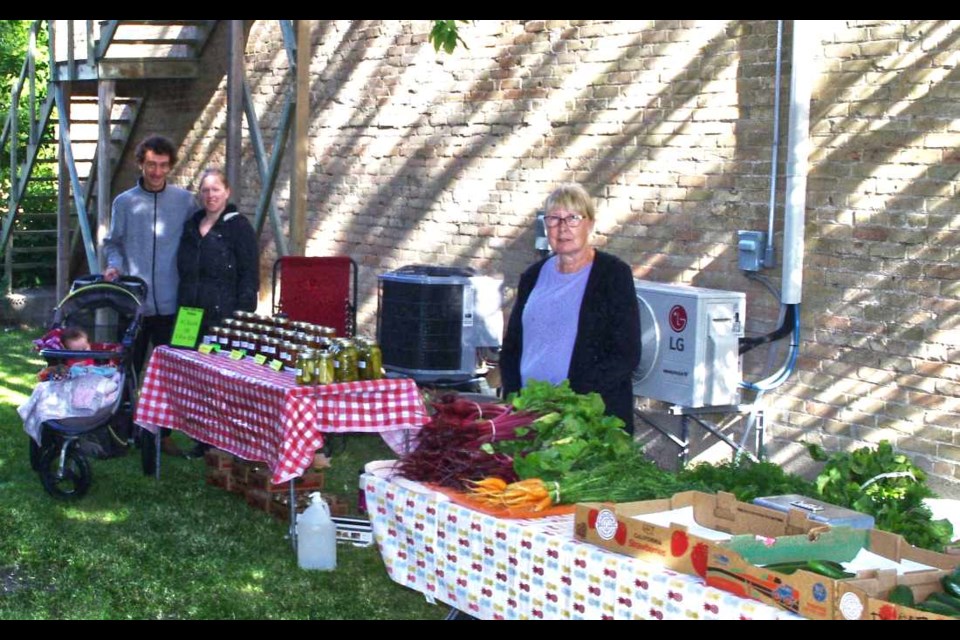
x=571, y=221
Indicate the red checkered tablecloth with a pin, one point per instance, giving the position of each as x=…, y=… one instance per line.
x=256, y=413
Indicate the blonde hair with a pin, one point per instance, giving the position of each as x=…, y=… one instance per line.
x=572, y=197
x=215, y=171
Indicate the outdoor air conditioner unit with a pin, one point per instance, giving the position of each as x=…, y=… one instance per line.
x=690, y=339
x=432, y=321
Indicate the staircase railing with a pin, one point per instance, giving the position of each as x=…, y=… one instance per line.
x=38, y=119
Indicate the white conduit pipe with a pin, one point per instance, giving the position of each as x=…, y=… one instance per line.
x=768, y=257
x=798, y=151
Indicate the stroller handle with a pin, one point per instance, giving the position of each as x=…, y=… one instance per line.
x=69, y=354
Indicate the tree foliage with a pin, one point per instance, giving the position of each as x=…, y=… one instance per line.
x=41, y=196
x=446, y=34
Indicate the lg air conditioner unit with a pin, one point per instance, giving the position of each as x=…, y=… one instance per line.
x=690, y=339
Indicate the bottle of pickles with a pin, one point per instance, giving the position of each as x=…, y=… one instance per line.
x=369, y=360
x=347, y=362
x=326, y=373
x=306, y=366
x=374, y=362
x=363, y=354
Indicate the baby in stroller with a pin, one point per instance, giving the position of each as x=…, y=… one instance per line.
x=69, y=339
x=83, y=404
x=78, y=388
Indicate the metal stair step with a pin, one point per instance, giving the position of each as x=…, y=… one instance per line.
x=149, y=68
x=125, y=51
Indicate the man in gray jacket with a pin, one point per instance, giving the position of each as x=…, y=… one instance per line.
x=145, y=227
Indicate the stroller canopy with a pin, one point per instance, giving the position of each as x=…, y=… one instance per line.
x=107, y=311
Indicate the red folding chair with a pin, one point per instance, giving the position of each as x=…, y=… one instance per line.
x=321, y=290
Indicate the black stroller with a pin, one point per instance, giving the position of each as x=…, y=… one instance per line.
x=110, y=314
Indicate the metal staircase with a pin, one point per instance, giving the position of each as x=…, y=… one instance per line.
x=82, y=54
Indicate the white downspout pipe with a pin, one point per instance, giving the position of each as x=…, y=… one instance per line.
x=803, y=56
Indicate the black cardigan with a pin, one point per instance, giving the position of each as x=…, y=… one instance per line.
x=607, y=348
x=219, y=272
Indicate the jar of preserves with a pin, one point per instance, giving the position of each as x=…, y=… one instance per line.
x=363, y=352
x=301, y=333
x=238, y=339
x=288, y=355
x=253, y=342
x=374, y=362
x=223, y=338
x=346, y=364
x=211, y=336
x=370, y=358
x=268, y=347
x=306, y=366
x=281, y=322
x=326, y=372
x=334, y=350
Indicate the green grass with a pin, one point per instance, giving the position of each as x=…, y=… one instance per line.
x=136, y=548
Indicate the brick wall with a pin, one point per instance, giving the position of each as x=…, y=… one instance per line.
x=419, y=157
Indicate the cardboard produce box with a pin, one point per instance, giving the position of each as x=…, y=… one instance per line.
x=681, y=547
x=736, y=566
x=865, y=598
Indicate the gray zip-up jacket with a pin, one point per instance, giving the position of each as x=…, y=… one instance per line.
x=145, y=229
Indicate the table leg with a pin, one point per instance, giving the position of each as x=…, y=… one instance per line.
x=156, y=454
x=292, y=530
x=685, y=439
x=759, y=433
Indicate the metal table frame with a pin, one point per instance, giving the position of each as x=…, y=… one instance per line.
x=731, y=415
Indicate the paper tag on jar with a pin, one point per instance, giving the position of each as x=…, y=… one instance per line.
x=237, y=354
x=260, y=358
x=276, y=365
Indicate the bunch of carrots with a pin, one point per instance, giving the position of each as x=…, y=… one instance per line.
x=524, y=495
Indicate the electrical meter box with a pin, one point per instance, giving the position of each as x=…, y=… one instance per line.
x=690, y=344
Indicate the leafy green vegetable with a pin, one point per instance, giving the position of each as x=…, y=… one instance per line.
x=886, y=485
x=587, y=456
x=571, y=434
x=747, y=480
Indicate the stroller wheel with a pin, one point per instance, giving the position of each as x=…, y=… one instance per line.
x=36, y=451
x=72, y=480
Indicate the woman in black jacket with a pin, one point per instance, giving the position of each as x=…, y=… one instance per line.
x=576, y=314
x=217, y=260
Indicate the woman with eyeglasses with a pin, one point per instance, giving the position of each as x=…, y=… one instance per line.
x=576, y=315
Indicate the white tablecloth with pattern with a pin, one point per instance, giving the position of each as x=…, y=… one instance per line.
x=494, y=568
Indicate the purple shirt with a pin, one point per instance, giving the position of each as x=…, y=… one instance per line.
x=550, y=320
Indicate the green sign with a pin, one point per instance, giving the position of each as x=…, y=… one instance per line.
x=186, y=330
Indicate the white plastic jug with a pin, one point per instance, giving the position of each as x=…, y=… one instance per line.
x=316, y=536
